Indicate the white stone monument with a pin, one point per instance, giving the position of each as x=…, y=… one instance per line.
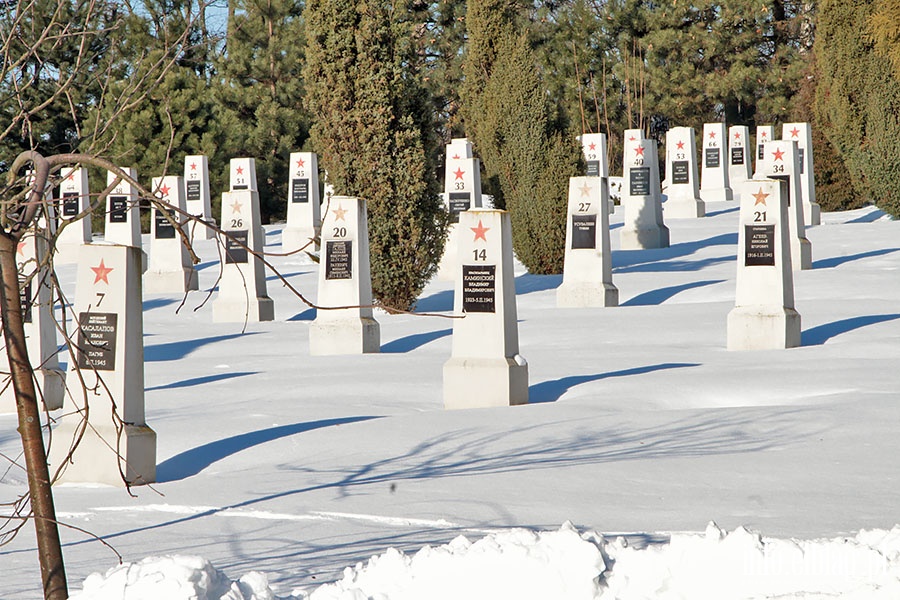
x=739, y=169
x=344, y=281
x=170, y=270
x=587, y=270
x=714, y=184
x=764, y=317
x=802, y=134
x=304, y=218
x=123, y=217
x=36, y=295
x=596, y=160
x=462, y=191
x=641, y=198
x=764, y=135
x=782, y=162
x=683, y=188
x=198, y=201
x=110, y=354
x=242, y=288
x=74, y=199
x=485, y=368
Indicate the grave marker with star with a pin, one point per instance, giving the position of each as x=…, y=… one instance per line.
x=345, y=281
x=683, y=184
x=764, y=317
x=198, y=201
x=462, y=191
x=587, y=270
x=641, y=197
x=802, y=134
x=739, y=169
x=123, y=216
x=782, y=162
x=594, y=149
x=74, y=220
x=764, y=135
x=485, y=367
x=170, y=270
x=109, y=391
x=714, y=182
x=304, y=218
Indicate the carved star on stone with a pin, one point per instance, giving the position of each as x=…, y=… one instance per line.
x=680, y=145
x=236, y=207
x=737, y=136
x=459, y=172
x=456, y=157
x=592, y=146
x=340, y=213
x=760, y=197
x=639, y=151
x=585, y=190
x=712, y=135
x=193, y=166
x=20, y=249
x=101, y=273
x=795, y=132
x=240, y=170
x=164, y=190
x=779, y=154
x=480, y=231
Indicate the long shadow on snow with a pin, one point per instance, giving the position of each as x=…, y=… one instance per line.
x=656, y=297
x=411, y=342
x=439, y=302
x=551, y=391
x=822, y=333
x=193, y=461
x=661, y=259
x=827, y=263
x=200, y=380
x=157, y=303
x=528, y=283
x=178, y=350
x=716, y=213
x=869, y=217
x=307, y=315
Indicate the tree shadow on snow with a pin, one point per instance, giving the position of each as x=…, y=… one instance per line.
x=411, y=342
x=827, y=263
x=551, y=391
x=193, y=461
x=656, y=297
x=200, y=380
x=822, y=333
x=178, y=350
x=439, y=302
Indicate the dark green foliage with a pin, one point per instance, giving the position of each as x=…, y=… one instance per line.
x=375, y=136
x=527, y=151
x=858, y=100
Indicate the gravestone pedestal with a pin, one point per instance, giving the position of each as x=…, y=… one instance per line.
x=110, y=354
x=782, y=163
x=764, y=135
x=170, y=269
x=123, y=217
x=198, y=201
x=764, y=316
x=587, y=271
x=739, y=169
x=462, y=191
x=485, y=368
x=683, y=190
x=802, y=134
x=74, y=232
x=345, y=281
x=596, y=159
x=714, y=184
x=304, y=219
x=641, y=197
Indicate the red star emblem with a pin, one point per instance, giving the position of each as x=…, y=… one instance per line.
x=193, y=166
x=779, y=154
x=340, y=213
x=21, y=247
x=592, y=146
x=737, y=136
x=760, y=197
x=480, y=231
x=300, y=162
x=639, y=151
x=71, y=176
x=236, y=207
x=680, y=145
x=631, y=139
x=763, y=134
x=795, y=132
x=712, y=135
x=164, y=190
x=101, y=273
x=456, y=157
x=459, y=172
x=240, y=170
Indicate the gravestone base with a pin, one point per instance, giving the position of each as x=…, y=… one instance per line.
x=763, y=328
x=586, y=294
x=812, y=214
x=237, y=310
x=716, y=195
x=644, y=239
x=66, y=253
x=176, y=282
x=685, y=208
x=804, y=261
x=485, y=382
x=94, y=459
x=450, y=261
x=345, y=336
x=294, y=238
x=51, y=388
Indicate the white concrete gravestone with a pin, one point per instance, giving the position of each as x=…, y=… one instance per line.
x=485, y=368
x=782, y=162
x=683, y=183
x=641, y=197
x=739, y=169
x=110, y=353
x=462, y=191
x=304, y=219
x=345, y=281
x=594, y=148
x=198, y=201
x=170, y=269
x=764, y=316
x=764, y=135
x=802, y=134
x=587, y=270
x=74, y=199
x=714, y=184
x=242, y=287
x=123, y=217
x=36, y=295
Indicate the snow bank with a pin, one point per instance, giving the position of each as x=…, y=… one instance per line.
x=560, y=565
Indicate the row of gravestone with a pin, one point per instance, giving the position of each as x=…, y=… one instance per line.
x=485, y=356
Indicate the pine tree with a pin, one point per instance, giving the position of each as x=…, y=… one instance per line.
x=886, y=31
x=528, y=152
x=261, y=92
x=375, y=136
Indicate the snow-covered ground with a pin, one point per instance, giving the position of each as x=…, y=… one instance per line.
x=642, y=430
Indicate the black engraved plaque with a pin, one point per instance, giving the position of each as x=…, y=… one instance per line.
x=759, y=245
x=300, y=190
x=681, y=171
x=25, y=298
x=192, y=190
x=235, y=252
x=97, y=341
x=459, y=201
x=339, y=259
x=584, y=231
x=118, y=209
x=787, y=180
x=639, y=181
x=163, y=230
x=593, y=168
x=70, y=204
x=241, y=186
x=761, y=152
x=800, y=156
x=737, y=156
x=712, y=157
x=479, y=288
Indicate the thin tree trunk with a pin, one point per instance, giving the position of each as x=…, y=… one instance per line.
x=53, y=573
